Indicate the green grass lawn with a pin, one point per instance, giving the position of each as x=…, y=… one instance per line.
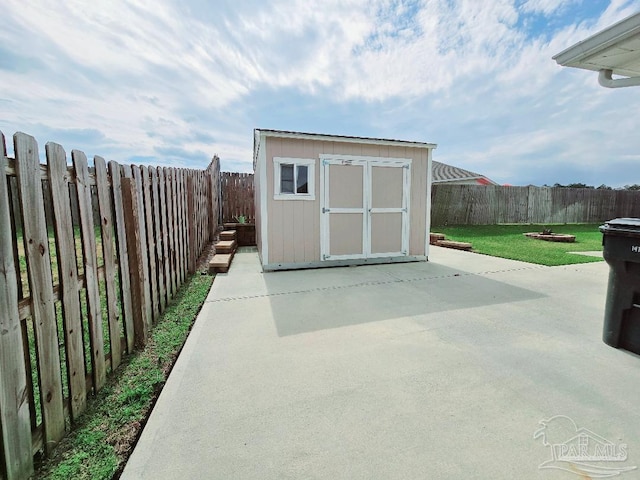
x=104, y=435
x=508, y=241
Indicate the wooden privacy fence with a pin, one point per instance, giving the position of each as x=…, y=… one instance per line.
x=76, y=297
x=237, y=193
x=489, y=205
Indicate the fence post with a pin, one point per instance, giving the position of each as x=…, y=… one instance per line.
x=15, y=424
x=134, y=249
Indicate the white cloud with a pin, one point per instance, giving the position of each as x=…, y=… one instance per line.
x=175, y=81
x=545, y=7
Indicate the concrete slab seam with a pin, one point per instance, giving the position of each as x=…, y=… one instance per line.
x=368, y=284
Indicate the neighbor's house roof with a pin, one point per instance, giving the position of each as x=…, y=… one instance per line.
x=443, y=173
x=614, y=50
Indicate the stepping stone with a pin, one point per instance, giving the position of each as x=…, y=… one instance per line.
x=452, y=244
x=228, y=235
x=220, y=263
x=435, y=237
x=226, y=246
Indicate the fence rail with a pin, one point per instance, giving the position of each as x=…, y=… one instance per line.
x=237, y=193
x=487, y=205
x=89, y=258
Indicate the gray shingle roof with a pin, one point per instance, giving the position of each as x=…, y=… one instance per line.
x=448, y=173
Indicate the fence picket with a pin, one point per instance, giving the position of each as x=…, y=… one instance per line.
x=181, y=220
x=487, y=205
x=40, y=287
x=123, y=255
x=164, y=216
x=176, y=237
x=237, y=191
x=146, y=284
x=15, y=423
x=106, y=225
x=151, y=243
x=155, y=194
x=191, y=229
x=134, y=247
x=69, y=286
x=90, y=261
x=166, y=229
x=173, y=235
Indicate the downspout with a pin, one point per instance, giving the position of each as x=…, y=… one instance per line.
x=605, y=79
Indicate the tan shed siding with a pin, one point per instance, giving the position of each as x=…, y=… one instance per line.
x=294, y=225
x=368, y=150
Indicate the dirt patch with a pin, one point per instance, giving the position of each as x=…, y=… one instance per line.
x=207, y=254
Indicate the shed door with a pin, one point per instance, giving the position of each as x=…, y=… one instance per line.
x=365, y=208
x=388, y=208
x=344, y=209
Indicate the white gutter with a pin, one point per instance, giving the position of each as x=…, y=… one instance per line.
x=602, y=40
x=605, y=79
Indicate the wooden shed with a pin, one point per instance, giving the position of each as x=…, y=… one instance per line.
x=325, y=200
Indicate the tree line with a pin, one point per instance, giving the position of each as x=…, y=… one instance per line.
x=635, y=186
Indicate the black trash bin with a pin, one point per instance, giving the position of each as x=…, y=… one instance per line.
x=621, y=242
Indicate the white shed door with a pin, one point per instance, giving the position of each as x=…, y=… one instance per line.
x=365, y=206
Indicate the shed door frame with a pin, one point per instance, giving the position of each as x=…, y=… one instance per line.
x=367, y=163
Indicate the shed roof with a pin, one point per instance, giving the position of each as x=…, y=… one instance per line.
x=615, y=49
x=443, y=173
x=342, y=138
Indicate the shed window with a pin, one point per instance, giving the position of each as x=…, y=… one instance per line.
x=286, y=178
x=294, y=178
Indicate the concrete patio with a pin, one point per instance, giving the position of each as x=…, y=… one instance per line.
x=438, y=370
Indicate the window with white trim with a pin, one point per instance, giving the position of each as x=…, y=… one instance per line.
x=294, y=178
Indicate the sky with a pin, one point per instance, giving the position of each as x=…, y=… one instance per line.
x=173, y=82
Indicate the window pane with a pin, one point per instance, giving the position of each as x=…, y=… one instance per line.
x=302, y=182
x=286, y=178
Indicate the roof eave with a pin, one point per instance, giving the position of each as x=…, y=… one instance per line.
x=602, y=40
x=343, y=138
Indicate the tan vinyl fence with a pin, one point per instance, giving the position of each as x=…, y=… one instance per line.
x=489, y=205
x=75, y=296
x=237, y=194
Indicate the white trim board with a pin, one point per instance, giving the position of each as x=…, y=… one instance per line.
x=264, y=198
x=310, y=163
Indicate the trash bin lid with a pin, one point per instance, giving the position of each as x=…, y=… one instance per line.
x=622, y=225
